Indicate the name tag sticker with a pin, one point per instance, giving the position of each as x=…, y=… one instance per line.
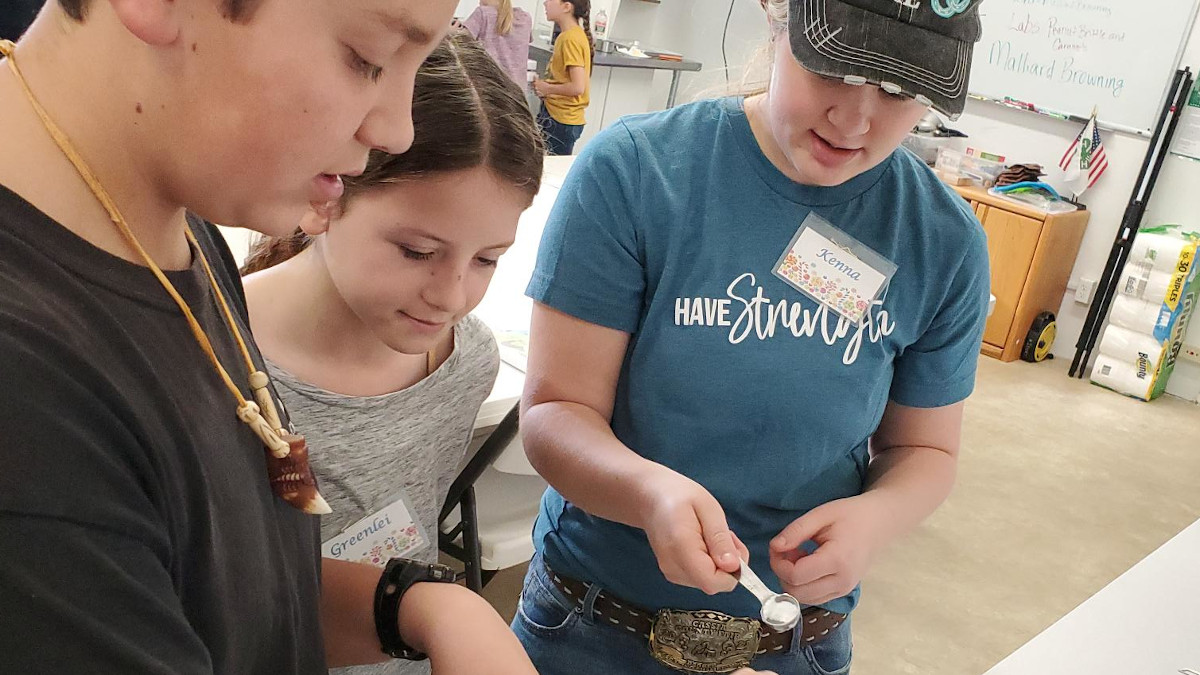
x=834, y=269
x=391, y=532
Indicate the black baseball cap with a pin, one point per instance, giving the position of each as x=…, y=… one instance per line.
x=917, y=48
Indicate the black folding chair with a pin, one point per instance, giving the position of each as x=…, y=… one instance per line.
x=462, y=495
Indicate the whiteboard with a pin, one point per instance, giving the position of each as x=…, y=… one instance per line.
x=1068, y=56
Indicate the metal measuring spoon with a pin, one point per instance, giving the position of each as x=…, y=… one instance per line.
x=780, y=611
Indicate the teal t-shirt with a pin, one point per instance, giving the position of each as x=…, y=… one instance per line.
x=668, y=228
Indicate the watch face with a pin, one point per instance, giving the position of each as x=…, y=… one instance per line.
x=442, y=573
x=427, y=571
x=418, y=571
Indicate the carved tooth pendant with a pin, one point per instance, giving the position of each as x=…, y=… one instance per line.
x=287, y=454
x=292, y=478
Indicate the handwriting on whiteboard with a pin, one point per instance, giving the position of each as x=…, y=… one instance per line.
x=1048, y=38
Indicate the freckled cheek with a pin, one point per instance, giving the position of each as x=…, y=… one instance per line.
x=321, y=114
x=309, y=116
x=304, y=128
x=334, y=101
x=257, y=134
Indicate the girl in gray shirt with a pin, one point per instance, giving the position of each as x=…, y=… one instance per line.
x=363, y=312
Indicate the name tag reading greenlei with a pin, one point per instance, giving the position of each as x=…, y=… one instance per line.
x=834, y=269
x=391, y=532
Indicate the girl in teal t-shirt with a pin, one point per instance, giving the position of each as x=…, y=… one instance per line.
x=757, y=321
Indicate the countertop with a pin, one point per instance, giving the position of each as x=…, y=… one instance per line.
x=615, y=60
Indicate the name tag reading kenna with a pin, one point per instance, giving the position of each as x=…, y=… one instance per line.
x=834, y=269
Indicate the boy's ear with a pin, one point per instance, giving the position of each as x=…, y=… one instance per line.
x=316, y=218
x=155, y=22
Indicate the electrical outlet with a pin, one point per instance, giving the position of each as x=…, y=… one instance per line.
x=1189, y=353
x=1084, y=291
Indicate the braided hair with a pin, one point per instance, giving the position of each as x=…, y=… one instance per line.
x=583, y=14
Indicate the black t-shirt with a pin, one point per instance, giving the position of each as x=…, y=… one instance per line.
x=138, y=532
x=16, y=15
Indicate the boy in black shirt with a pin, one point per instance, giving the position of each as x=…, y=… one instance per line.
x=141, y=533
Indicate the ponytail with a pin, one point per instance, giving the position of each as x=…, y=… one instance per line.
x=268, y=252
x=504, y=17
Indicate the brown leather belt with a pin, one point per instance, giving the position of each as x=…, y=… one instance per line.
x=815, y=625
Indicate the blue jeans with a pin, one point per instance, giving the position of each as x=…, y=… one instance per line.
x=563, y=638
x=560, y=138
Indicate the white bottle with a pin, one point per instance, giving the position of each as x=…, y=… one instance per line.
x=601, y=25
x=531, y=74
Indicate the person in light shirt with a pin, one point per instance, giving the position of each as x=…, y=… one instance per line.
x=505, y=32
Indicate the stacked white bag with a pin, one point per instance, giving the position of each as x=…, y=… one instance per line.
x=1149, y=314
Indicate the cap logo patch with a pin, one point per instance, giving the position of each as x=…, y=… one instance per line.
x=948, y=9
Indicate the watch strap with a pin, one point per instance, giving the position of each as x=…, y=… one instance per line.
x=399, y=575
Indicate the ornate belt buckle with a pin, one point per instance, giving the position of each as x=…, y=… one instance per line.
x=703, y=641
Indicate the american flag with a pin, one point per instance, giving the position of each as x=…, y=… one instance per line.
x=1085, y=161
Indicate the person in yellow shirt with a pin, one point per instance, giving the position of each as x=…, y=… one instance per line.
x=565, y=93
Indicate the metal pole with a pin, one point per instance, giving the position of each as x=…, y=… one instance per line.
x=474, y=557
x=1131, y=220
x=674, y=89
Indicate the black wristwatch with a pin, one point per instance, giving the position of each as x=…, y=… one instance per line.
x=398, y=576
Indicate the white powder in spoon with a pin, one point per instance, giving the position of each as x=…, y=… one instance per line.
x=779, y=612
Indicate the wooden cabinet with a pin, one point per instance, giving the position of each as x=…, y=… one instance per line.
x=1031, y=255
